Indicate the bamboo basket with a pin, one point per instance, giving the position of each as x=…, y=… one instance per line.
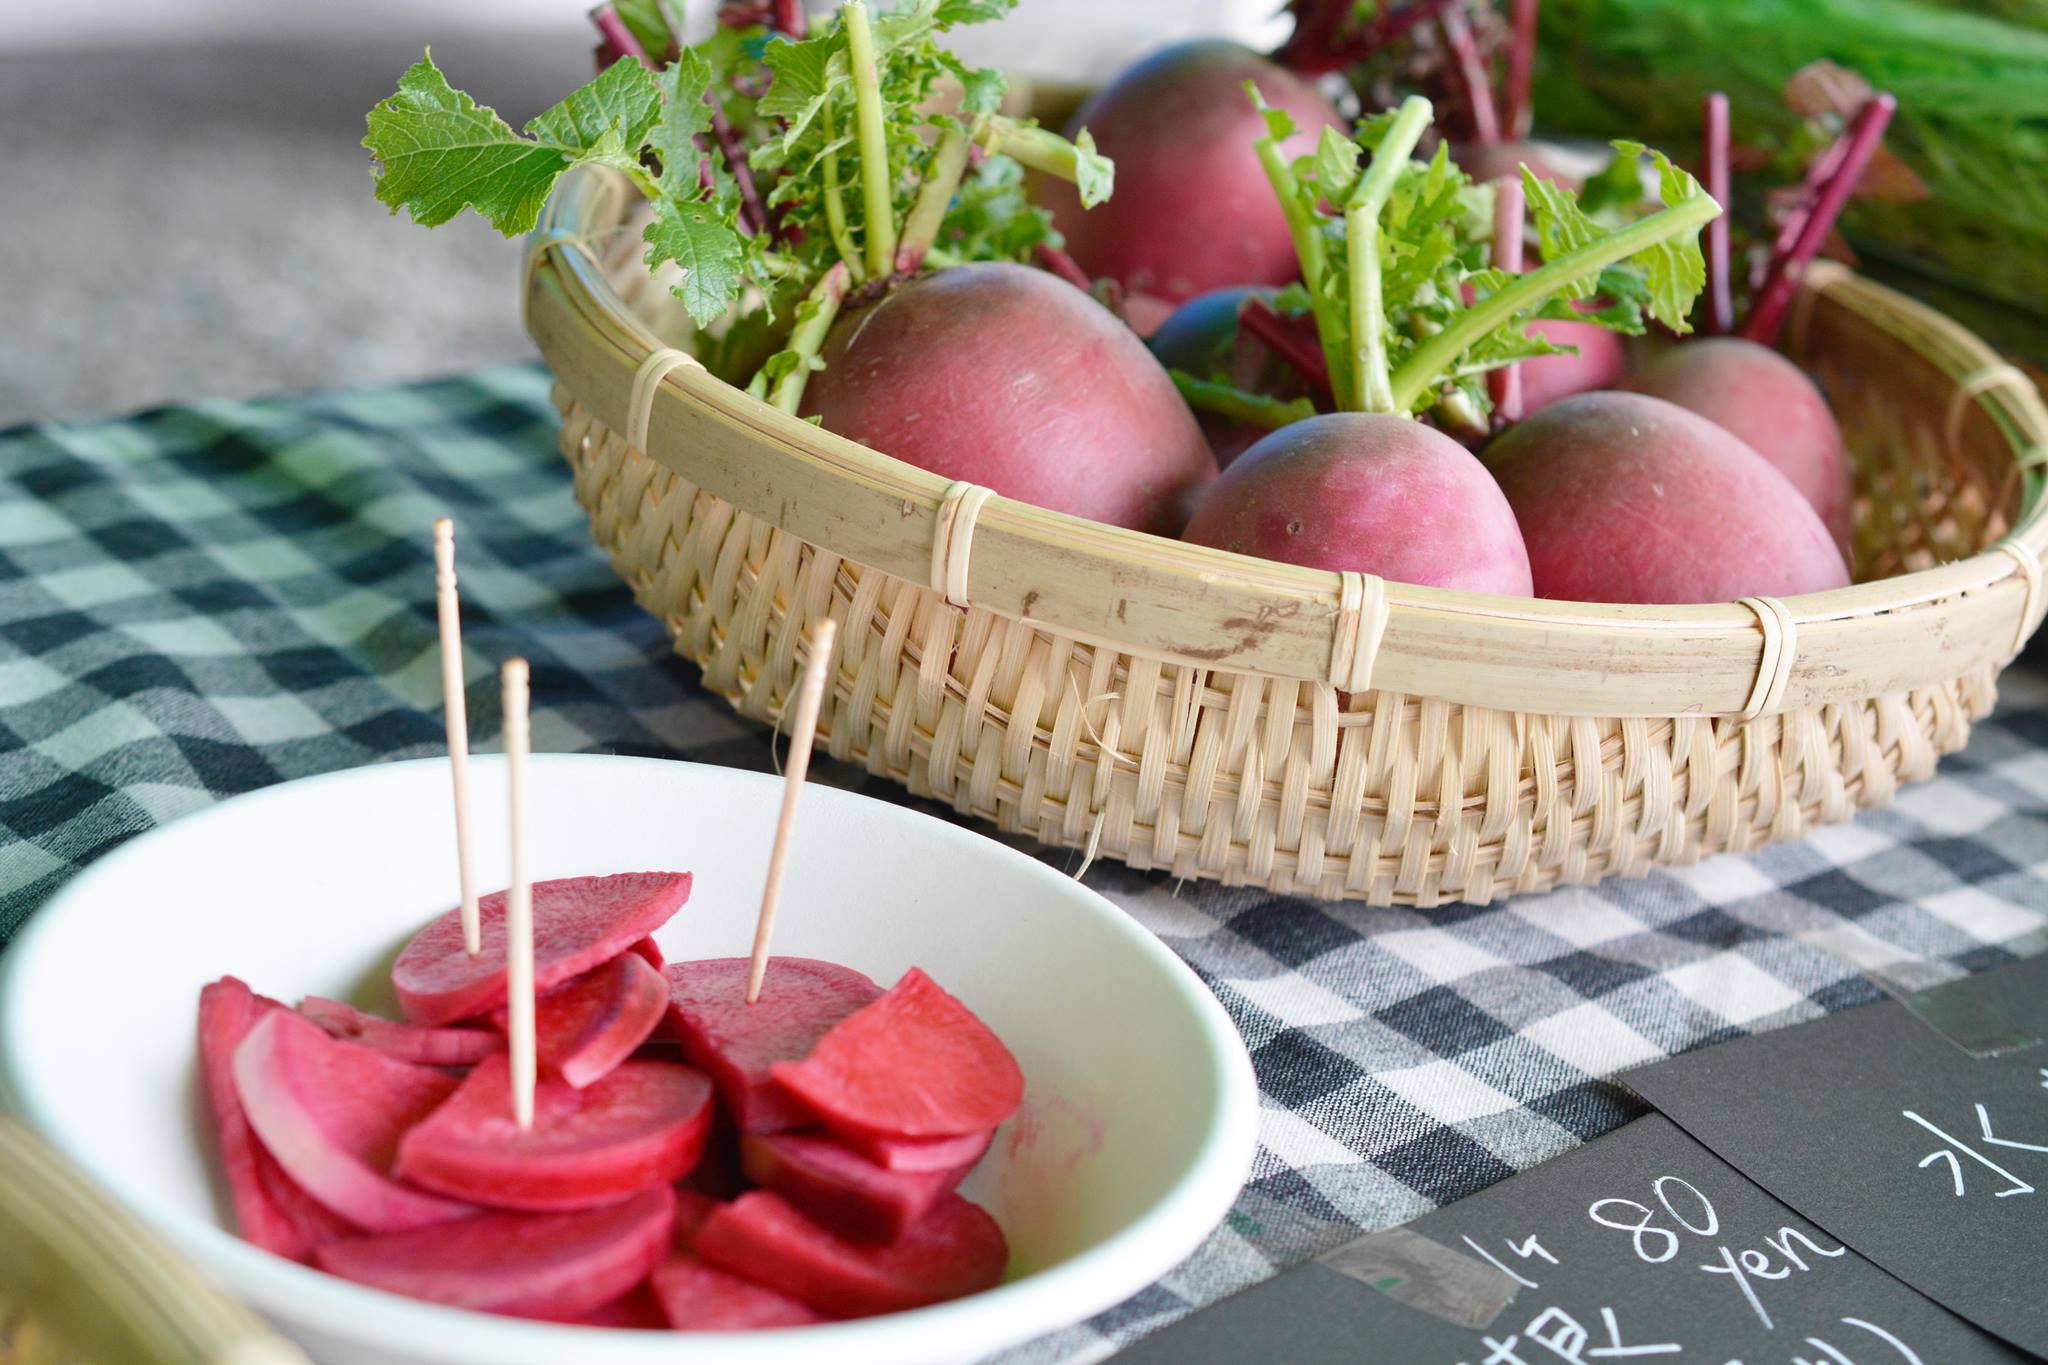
x=1325, y=734
x=83, y=1283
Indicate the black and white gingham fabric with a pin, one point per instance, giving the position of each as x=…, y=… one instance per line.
x=198, y=601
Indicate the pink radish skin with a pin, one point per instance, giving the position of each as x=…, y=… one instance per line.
x=737, y=1044
x=1005, y=376
x=1602, y=363
x=271, y=1211
x=1193, y=210
x=650, y=950
x=555, y=1266
x=695, y=1297
x=643, y=1124
x=332, y=1113
x=590, y=1023
x=1372, y=494
x=916, y=1063
x=578, y=922
x=921, y=1154
x=1627, y=498
x=841, y=1189
x=405, y=1042
x=1769, y=403
x=954, y=1250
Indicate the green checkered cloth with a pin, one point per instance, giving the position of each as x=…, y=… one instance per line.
x=201, y=600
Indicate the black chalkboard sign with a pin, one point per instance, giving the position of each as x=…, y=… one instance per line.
x=1916, y=1132
x=1640, y=1248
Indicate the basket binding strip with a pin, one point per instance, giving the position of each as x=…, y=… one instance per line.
x=1326, y=734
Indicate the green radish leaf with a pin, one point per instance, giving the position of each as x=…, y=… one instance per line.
x=1094, y=173
x=1674, y=269
x=1336, y=165
x=982, y=90
x=684, y=118
x=648, y=25
x=1561, y=226
x=1279, y=123
x=1617, y=186
x=951, y=12
x=443, y=152
x=708, y=248
x=623, y=102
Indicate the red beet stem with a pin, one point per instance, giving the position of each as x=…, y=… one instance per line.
x=1714, y=162
x=788, y=17
x=618, y=36
x=1066, y=267
x=753, y=215
x=1472, y=74
x=1859, y=143
x=1515, y=113
x=1504, y=385
x=1290, y=342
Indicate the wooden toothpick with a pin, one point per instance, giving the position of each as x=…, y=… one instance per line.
x=810, y=693
x=518, y=899
x=455, y=707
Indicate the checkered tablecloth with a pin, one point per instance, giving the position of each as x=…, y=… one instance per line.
x=197, y=601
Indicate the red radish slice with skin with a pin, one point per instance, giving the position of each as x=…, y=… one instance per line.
x=332, y=1113
x=650, y=950
x=271, y=1211
x=590, y=1023
x=955, y=1249
x=842, y=1190
x=406, y=1042
x=530, y=1265
x=578, y=922
x=916, y=1063
x=695, y=1297
x=737, y=1044
x=920, y=1154
x=644, y=1124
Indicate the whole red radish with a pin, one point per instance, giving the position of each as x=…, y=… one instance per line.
x=1005, y=376
x=1192, y=209
x=1371, y=493
x=1626, y=498
x=1602, y=363
x=1769, y=403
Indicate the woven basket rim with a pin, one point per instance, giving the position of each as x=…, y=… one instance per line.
x=1196, y=606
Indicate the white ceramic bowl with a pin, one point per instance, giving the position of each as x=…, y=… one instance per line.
x=1139, y=1115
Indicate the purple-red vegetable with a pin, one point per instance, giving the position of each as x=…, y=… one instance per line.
x=1192, y=209
x=1626, y=498
x=1004, y=376
x=1372, y=493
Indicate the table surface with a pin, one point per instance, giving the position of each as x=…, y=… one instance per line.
x=201, y=600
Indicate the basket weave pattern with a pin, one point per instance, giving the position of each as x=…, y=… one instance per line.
x=1300, y=784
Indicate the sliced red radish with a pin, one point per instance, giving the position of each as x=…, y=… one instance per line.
x=843, y=1190
x=692, y=1211
x=578, y=922
x=406, y=1042
x=271, y=1211
x=717, y=1174
x=737, y=1043
x=644, y=1124
x=920, y=1154
x=636, y=1310
x=590, y=1023
x=332, y=1114
x=529, y=1265
x=695, y=1297
x=650, y=950
x=955, y=1249
x=915, y=1063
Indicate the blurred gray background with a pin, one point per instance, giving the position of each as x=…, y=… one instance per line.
x=186, y=211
